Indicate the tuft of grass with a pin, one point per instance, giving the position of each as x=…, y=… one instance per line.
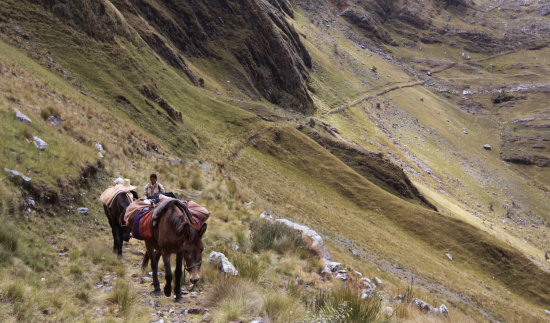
x=76, y=270
x=122, y=296
x=83, y=295
x=196, y=183
x=49, y=111
x=282, y=307
x=275, y=236
x=8, y=244
x=343, y=304
x=234, y=298
x=247, y=266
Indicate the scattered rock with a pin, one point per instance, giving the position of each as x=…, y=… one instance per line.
x=422, y=99
x=55, y=120
x=83, y=210
x=39, y=143
x=15, y=174
x=205, y=167
x=21, y=33
x=98, y=146
x=31, y=202
x=449, y=256
x=423, y=306
x=378, y=281
x=138, y=253
x=388, y=310
x=207, y=317
x=547, y=312
x=465, y=130
x=487, y=147
x=19, y=116
x=195, y=310
x=119, y=180
x=332, y=266
x=342, y=275
x=224, y=265
x=247, y=204
x=465, y=56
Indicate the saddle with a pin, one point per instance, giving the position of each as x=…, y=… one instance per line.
x=142, y=215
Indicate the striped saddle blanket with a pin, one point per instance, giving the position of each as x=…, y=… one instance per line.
x=142, y=226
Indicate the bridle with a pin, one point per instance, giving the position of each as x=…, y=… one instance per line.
x=185, y=269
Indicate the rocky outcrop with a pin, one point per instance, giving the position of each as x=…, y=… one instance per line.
x=369, y=23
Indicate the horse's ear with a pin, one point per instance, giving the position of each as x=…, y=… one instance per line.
x=202, y=230
x=186, y=230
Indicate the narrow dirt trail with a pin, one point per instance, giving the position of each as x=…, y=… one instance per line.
x=161, y=307
x=371, y=96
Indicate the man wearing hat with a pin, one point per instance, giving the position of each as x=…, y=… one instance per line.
x=153, y=187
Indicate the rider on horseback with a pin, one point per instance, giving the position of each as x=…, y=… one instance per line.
x=153, y=187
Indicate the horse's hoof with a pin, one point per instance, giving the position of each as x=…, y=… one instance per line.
x=179, y=299
x=167, y=291
x=156, y=292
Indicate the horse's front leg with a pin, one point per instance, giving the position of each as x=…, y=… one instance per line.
x=154, y=266
x=177, y=287
x=167, y=273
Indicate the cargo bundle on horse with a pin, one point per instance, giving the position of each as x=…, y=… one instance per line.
x=174, y=229
x=115, y=200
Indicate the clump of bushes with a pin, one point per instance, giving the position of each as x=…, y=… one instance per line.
x=276, y=236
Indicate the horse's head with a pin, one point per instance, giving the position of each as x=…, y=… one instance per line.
x=192, y=251
x=125, y=232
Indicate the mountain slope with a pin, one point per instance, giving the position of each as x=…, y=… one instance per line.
x=329, y=113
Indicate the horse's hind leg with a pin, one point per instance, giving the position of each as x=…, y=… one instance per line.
x=145, y=260
x=177, y=287
x=154, y=266
x=167, y=274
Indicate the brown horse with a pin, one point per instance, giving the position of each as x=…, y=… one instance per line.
x=115, y=214
x=174, y=233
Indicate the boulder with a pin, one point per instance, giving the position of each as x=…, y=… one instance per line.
x=219, y=260
x=313, y=239
x=19, y=116
x=487, y=147
x=15, y=174
x=39, y=143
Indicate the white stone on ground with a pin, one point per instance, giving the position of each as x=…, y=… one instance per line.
x=224, y=265
x=39, y=143
x=19, y=116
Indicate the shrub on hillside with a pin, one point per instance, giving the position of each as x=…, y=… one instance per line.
x=275, y=236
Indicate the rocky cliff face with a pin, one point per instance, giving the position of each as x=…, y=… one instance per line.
x=256, y=32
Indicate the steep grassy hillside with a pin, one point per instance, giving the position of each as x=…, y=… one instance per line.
x=300, y=108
